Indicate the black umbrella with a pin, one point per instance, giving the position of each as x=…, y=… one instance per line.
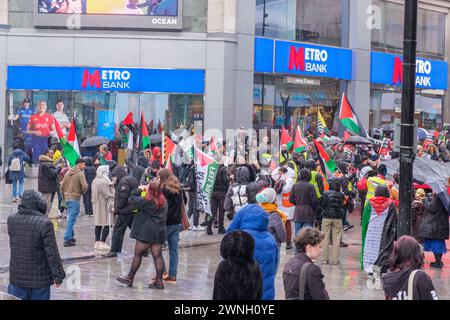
x=94, y=142
x=358, y=140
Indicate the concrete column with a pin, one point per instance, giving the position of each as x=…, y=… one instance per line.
x=360, y=43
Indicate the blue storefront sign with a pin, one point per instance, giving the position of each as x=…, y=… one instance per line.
x=105, y=79
x=302, y=59
x=388, y=69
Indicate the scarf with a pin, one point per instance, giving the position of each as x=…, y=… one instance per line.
x=272, y=207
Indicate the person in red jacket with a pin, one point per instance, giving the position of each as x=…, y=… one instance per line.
x=156, y=155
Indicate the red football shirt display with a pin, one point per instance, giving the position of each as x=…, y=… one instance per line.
x=42, y=123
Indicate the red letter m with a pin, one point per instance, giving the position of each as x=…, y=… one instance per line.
x=297, y=58
x=398, y=71
x=93, y=79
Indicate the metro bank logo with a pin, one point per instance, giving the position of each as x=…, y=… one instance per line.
x=106, y=79
x=308, y=59
x=423, y=72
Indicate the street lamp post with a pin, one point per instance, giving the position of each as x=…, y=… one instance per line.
x=407, y=153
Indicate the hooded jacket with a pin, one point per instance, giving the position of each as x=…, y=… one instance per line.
x=125, y=185
x=35, y=261
x=222, y=180
x=254, y=220
x=47, y=175
x=242, y=176
x=74, y=184
x=395, y=285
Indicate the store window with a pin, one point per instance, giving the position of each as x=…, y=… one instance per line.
x=302, y=20
x=291, y=100
x=430, y=30
x=386, y=105
x=96, y=114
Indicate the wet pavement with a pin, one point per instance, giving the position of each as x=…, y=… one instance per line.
x=91, y=277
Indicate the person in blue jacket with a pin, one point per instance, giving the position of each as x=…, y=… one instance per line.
x=254, y=220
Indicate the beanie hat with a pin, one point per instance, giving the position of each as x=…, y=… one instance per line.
x=268, y=195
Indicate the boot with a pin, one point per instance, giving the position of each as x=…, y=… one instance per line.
x=128, y=279
x=209, y=231
x=438, y=263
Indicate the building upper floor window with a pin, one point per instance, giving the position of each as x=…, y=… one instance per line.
x=430, y=30
x=316, y=21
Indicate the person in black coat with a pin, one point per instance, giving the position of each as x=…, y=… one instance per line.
x=35, y=263
x=435, y=229
x=149, y=230
x=90, y=172
x=122, y=208
x=238, y=276
x=218, y=198
x=47, y=178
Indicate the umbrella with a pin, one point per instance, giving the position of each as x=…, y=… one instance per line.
x=358, y=140
x=94, y=141
x=155, y=138
x=422, y=134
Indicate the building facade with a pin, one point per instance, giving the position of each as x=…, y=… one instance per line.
x=212, y=64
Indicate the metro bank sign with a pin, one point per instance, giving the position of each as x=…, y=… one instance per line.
x=388, y=69
x=107, y=79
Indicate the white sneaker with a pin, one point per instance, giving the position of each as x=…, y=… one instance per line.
x=193, y=228
x=103, y=246
x=200, y=228
x=97, y=245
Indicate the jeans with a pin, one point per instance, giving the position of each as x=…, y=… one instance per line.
x=17, y=193
x=73, y=210
x=173, y=236
x=29, y=293
x=300, y=225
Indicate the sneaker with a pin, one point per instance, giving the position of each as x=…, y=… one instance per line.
x=437, y=265
x=193, y=228
x=110, y=255
x=170, y=279
x=96, y=245
x=200, y=228
x=69, y=243
x=103, y=246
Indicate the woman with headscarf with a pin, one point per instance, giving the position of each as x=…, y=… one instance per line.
x=103, y=206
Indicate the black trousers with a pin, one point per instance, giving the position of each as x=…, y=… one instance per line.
x=87, y=201
x=123, y=222
x=193, y=207
x=217, y=205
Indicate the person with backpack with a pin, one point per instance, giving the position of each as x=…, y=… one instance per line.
x=301, y=269
x=406, y=280
x=16, y=171
x=242, y=192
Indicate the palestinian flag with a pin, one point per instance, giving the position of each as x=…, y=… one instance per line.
x=205, y=171
x=346, y=135
x=378, y=222
x=299, y=141
x=327, y=161
x=167, y=147
x=213, y=146
x=349, y=120
x=144, y=138
x=69, y=144
x=286, y=138
x=321, y=124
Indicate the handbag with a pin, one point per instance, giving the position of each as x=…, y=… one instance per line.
x=184, y=217
x=7, y=179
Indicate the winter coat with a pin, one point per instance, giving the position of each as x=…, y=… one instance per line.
x=35, y=261
x=74, y=184
x=435, y=221
x=303, y=195
x=102, y=202
x=174, y=203
x=149, y=224
x=332, y=203
x=242, y=177
x=222, y=180
x=125, y=185
x=90, y=172
x=254, y=220
x=18, y=175
x=47, y=175
x=276, y=228
x=314, y=285
x=417, y=212
x=395, y=285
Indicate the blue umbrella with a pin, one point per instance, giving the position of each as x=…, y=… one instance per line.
x=422, y=134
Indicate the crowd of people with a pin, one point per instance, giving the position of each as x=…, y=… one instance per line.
x=271, y=205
